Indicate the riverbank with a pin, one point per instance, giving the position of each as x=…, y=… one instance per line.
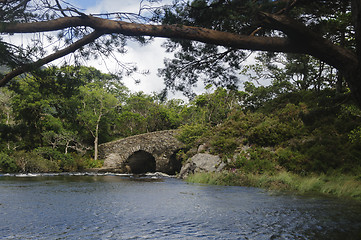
x=341, y=186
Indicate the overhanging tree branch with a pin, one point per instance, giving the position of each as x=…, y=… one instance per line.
x=312, y=43
x=71, y=48
x=301, y=39
x=356, y=17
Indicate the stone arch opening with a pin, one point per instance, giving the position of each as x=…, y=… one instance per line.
x=141, y=162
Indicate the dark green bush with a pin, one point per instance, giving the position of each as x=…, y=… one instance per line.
x=65, y=162
x=32, y=162
x=256, y=160
x=68, y=164
x=189, y=134
x=292, y=160
x=224, y=144
x=8, y=164
x=50, y=153
x=272, y=132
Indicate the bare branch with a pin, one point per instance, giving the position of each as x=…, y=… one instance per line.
x=60, y=8
x=290, y=5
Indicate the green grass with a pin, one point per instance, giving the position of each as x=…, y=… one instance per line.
x=339, y=185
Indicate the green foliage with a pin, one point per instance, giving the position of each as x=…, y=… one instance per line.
x=223, y=144
x=65, y=162
x=224, y=178
x=70, y=162
x=256, y=160
x=189, y=134
x=7, y=163
x=267, y=133
x=91, y=163
x=214, y=108
x=6, y=114
x=273, y=131
x=141, y=113
x=307, y=136
x=292, y=160
x=62, y=110
x=32, y=162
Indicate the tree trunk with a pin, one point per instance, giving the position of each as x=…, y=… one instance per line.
x=342, y=44
x=353, y=78
x=96, y=137
x=66, y=147
x=96, y=142
x=339, y=82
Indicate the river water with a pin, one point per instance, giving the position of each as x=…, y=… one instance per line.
x=151, y=207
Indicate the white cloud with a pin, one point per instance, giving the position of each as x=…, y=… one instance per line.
x=149, y=57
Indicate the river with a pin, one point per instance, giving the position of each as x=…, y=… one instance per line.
x=154, y=207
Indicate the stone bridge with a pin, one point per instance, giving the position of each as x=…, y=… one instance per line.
x=149, y=152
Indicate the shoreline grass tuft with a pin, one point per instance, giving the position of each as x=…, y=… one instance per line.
x=342, y=186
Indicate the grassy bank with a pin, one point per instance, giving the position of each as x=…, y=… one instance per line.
x=339, y=185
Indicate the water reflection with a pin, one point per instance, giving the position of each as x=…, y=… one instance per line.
x=157, y=207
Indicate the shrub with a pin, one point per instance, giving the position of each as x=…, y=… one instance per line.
x=33, y=162
x=91, y=163
x=7, y=164
x=292, y=161
x=265, y=134
x=224, y=144
x=256, y=160
x=68, y=164
x=273, y=131
x=189, y=134
x=355, y=135
x=50, y=153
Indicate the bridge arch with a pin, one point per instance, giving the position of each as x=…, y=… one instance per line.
x=140, y=162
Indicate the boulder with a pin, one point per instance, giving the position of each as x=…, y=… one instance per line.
x=201, y=162
x=202, y=148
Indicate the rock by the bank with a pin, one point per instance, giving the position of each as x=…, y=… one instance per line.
x=201, y=162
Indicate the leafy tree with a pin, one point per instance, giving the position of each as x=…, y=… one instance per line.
x=142, y=113
x=5, y=106
x=96, y=103
x=7, y=163
x=47, y=104
x=291, y=72
x=212, y=108
x=291, y=26
x=64, y=138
